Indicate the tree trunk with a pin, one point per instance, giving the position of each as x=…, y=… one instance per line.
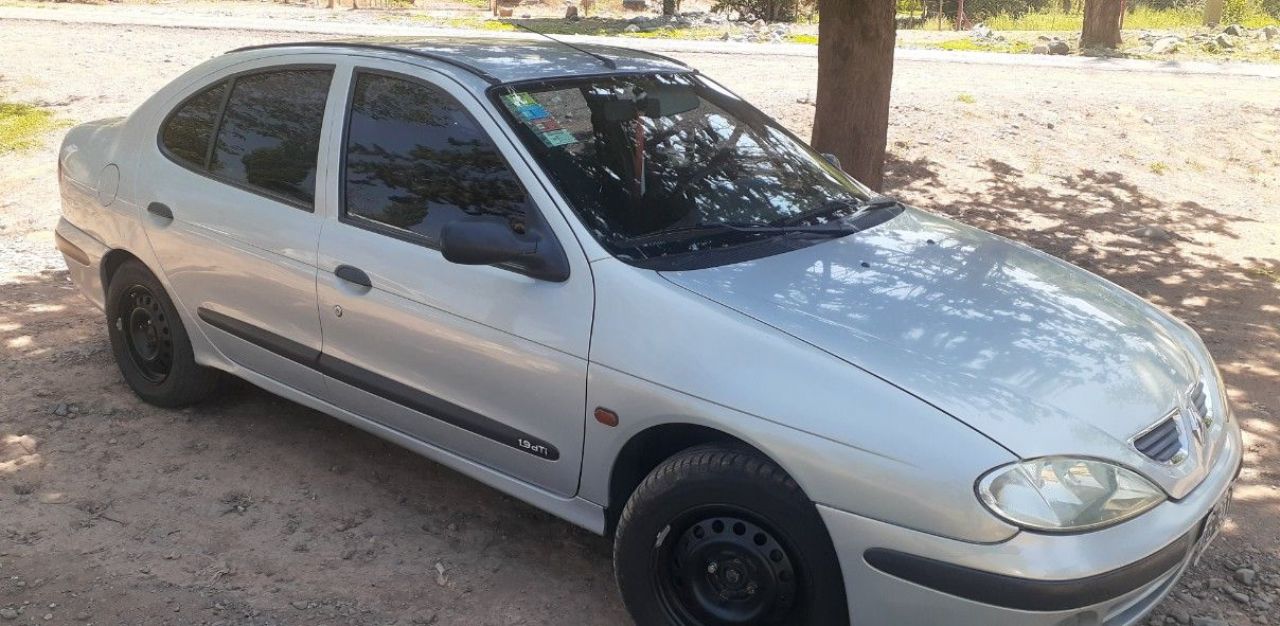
x=668, y=7
x=855, y=70
x=1101, y=24
x=1212, y=12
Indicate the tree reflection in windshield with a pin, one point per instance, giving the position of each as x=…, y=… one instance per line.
x=644, y=155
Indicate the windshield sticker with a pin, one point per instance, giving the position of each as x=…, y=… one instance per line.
x=538, y=119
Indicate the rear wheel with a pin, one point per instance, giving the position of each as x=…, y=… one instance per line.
x=150, y=343
x=721, y=535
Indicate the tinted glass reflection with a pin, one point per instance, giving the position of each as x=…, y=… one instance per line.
x=270, y=133
x=416, y=160
x=187, y=133
x=637, y=156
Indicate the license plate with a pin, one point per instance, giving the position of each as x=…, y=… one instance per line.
x=1212, y=526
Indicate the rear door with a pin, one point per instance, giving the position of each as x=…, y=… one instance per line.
x=230, y=201
x=480, y=360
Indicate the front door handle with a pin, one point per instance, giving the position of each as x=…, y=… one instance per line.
x=353, y=275
x=160, y=209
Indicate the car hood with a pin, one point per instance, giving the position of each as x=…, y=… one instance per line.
x=1039, y=355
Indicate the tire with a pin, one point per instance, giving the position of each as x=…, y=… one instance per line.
x=722, y=535
x=150, y=343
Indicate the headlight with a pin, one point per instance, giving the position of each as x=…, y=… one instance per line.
x=1062, y=494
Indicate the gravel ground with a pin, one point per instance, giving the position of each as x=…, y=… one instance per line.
x=253, y=510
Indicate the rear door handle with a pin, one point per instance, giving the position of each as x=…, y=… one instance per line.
x=353, y=275
x=160, y=209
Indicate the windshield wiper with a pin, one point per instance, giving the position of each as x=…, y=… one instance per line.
x=717, y=228
x=859, y=207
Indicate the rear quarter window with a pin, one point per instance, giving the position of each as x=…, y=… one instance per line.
x=188, y=130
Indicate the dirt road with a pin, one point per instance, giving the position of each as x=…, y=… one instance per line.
x=253, y=510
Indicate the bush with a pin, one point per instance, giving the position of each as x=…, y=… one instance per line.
x=767, y=10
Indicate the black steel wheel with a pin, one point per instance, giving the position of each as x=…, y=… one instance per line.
x=725, y=568
x=146, y=329
x=720, y=535
x=150, y=344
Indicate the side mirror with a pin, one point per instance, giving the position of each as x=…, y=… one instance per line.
x=479, y=241
x=833, y=159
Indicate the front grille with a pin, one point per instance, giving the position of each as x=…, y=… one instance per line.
x=1162, y=442
x=1198, y=399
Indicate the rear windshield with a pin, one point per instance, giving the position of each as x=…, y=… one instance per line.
x=638, y=156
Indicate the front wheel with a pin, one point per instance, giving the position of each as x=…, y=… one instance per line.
x=720, y=535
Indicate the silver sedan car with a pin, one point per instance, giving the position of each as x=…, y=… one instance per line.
x=602, y=283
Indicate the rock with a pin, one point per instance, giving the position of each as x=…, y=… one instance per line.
x=571, y=13
x=504, y=12
x=1040, y=49
x=1207, y=621
x=1271, y=31
x=61, y=410
x=635, y=5
x=632, y=28
x=8, y=613
x=981, y=31
x=1180, y=616
x=1242, y=598
x=441, y=579
x=1159, y=234
x=1058, y=46
x=1236, y=30
x=299, y=605
x=1224, y=42
x=1166, y=45
x=1246, y=576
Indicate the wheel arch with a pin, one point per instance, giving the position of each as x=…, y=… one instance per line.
x=112, y=262
x=647, y=448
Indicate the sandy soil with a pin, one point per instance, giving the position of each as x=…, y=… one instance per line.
x=253, y=510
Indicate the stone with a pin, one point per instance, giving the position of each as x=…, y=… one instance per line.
x=1271, y=31
x=61, y=410
x=8, y=613
x=1166, y=45
x=1207, y=621
x=981, y=31
x=1245, y=576
x=504, y=11
x=571, y=13
x=1242, y=598
x=1058, y=46
x=632, y=28
x=1224, y=42
x=1236, y=30
x=1040, y=49
x=635, y=5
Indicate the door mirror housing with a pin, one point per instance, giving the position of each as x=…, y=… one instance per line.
x=480, y=241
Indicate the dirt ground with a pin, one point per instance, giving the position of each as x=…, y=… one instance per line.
x=253, y=510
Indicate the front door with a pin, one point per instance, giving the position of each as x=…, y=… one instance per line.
x=482, y=361
x=231, y=214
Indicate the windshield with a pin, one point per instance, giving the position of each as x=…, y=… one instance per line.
x=669, y=167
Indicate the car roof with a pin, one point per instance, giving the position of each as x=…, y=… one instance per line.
x=508, y=59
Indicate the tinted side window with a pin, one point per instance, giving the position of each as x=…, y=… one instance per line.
x=187, y=133
x=416, y=160
x=270, y=133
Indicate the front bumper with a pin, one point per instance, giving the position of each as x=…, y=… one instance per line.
x=1110, y=577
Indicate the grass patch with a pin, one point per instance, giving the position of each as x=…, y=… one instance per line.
x=803, y=38
x=1140, y=18
x=969, y=45
x=966, y=98
x=1158, y=168
x=21, y=125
